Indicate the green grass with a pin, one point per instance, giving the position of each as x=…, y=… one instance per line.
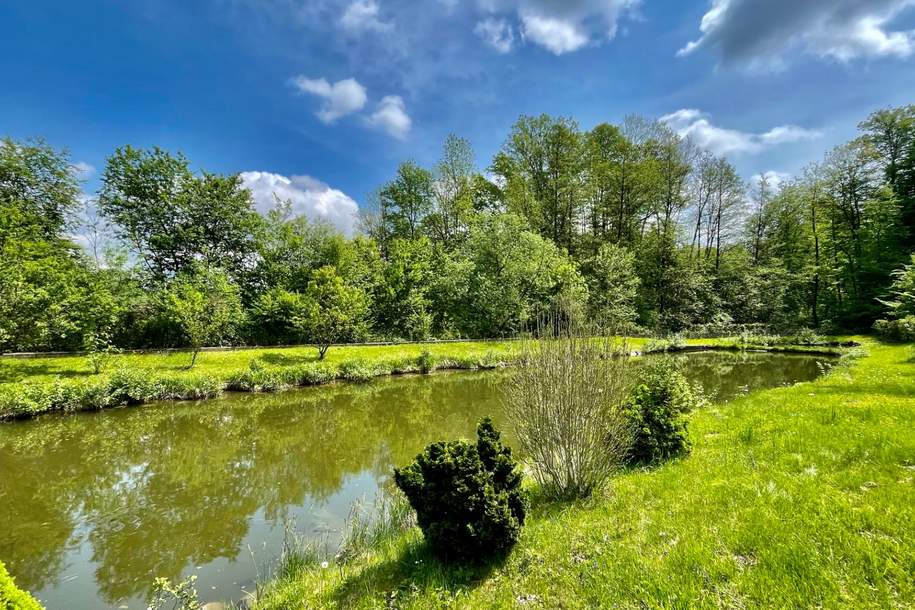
x=47, y=369
x=797, y=497
x=65, y=384
x=15, y=370
x=33, y=386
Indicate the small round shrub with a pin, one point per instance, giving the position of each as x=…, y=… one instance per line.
x=902, y=329
x=657, y=410
x=807, y=336
x=467, y=497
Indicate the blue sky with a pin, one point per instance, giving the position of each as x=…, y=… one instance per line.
x=325, y=97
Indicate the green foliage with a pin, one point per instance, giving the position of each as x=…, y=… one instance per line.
x=47, y=294
x=612, y=287
x=629, y=226
x=206, y=305
x=273, y=315
x=141, y=378
x=902, y=291
x=675, y=294
x=38, y=183
x=12, y=597
x=807, y=336
x=172, y=218
x=405, y=202
x=99, y=352
x=357, y=370
x=467, y=497
x=902, y=329
x=402, y=301
x=503, y=277
x=657, y=410
x=335, y=312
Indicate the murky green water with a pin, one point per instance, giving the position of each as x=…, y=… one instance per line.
x=94, y=506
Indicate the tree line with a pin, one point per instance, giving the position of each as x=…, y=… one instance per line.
x=628, y=225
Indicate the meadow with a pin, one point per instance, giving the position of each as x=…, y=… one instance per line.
x=795, y=497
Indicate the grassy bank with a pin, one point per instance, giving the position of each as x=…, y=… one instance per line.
x=66, y=384
x=794, y=498
x=33, y=386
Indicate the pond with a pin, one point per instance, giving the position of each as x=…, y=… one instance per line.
x=94, y=506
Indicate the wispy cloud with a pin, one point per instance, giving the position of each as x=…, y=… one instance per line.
x=83, y=170
x=691, y=123
x=364, y=16
x=497, y=33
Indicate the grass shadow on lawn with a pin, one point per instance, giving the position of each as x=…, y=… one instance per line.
x=414, y=569
x=279, y=359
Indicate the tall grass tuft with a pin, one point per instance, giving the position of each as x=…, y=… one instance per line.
x=566, y=402
x=364, y=530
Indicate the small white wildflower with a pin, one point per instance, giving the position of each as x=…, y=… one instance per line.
x=324, y=564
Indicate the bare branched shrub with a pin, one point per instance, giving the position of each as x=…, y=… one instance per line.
x=565, y=402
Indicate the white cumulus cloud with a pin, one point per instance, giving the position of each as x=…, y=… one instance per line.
x=308, y=196
x=556, y=35
x=564, y=26
x=763, y=33
x=691, y=123
x=339, y=99
x=391, y=116
x=364, y=16
x=497, y=33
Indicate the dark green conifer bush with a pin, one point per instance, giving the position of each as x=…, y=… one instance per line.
x=467, y=497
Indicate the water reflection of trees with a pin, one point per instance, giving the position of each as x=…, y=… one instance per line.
x=164, y=486
x=724, y=375
x=158, y=488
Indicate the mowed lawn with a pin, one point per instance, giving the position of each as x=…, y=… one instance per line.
x=44, y=369
x=799, y=497
x=15, y=370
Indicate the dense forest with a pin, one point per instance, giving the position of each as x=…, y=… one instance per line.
x=628, y=225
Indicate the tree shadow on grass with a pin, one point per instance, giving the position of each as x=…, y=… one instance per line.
x=23, y=370
x=415, y=569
